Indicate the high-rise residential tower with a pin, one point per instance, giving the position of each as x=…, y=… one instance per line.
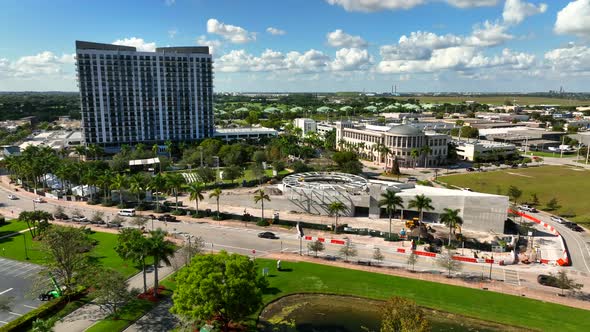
x=130, y=97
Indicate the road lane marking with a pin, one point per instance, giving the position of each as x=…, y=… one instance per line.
x=3, y=322
x=14, y=313
x=29, y=306
x=6, y=291
x=26, y=271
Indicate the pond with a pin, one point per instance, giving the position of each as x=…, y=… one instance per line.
x=333, y=313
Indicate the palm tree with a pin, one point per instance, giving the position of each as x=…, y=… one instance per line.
x=155, y=149
x=451, y=218
x=157, y=184
x=137, y=184
x=174, y=182
x=425, y=150
x=216, y=193
x=421, y=203
x=80, y=151
x=169, y=146
x=414, y=154
x=119, y=182
x=90, y=178
x=335, y=209
x=104, y=181
x=195, y=190
x=162, y=250
x=390, y=201
x=261, y=196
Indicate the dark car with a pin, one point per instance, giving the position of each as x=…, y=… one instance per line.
x=578, y=228
x=61, y=216
x=167, y=218
x=470, y=169
x=267, y=235
x=547, y=280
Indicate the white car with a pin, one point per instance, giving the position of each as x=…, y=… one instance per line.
x=557, y=219
x=39, y=200
x=527, y=208
x=12, y=197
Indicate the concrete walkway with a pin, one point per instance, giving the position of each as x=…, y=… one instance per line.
x=89, y=314
x=158, y=319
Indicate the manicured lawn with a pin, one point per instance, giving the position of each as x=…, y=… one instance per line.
x=547, y=154
x=506, y=309
x=104, y=251
x=570, y=185
x=12, y=226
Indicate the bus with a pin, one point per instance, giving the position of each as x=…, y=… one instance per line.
x=126, y=212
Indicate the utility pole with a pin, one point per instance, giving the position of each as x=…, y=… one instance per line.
x=491, y=263
x=25, y=241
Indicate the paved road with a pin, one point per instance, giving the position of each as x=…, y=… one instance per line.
x=16, y=283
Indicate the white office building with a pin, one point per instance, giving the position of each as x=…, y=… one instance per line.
x=129, y=97
x=484, y=150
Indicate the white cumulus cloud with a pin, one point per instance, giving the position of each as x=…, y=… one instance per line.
x=234, y=34
x=270, y=60
x=36, y=66
x=574, y=19
x=489, y=34
x=339, y=38
x=275, y=32
x=571, y=58
x=214, y=45
x=472, y=3
x=138, y=43
x=515, y=11
x=348, y=59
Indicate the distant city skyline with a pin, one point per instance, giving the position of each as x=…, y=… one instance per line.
x=316, y=45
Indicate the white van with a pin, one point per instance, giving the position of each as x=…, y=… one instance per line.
x=127, y=212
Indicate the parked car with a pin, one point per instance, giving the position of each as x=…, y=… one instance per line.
x=578, y=228
x=61, y=216
x=412, y=179
x=39, y=200
x=80, y=219
x=547, y=280
x=12, y=197
x=267, y=235
x=557, y=219
x=470, y=169
x=527, y=208
x=167, y=218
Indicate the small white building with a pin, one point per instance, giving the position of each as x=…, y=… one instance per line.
x=306, y=125
x=231, y=134
x=483, y=150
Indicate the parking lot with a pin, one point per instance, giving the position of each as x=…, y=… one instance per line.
x=16, y=282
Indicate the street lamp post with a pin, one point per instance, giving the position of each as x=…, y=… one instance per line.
x=152, y=217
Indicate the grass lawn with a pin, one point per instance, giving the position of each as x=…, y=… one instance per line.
x=543, y=154
x=570, y=185
x=104, y=251
x=12, y=226
x=506, y=309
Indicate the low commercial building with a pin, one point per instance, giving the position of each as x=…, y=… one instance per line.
x=253, y=133
x=483, y=150
x=306, y=125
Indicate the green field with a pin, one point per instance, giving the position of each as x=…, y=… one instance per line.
x=505, y=309
x=570, y=185
x=103, y=252
x=11, y=226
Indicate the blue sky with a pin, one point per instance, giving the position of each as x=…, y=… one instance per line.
x=316, y=45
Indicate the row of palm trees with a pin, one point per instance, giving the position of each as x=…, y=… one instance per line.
x=391, y=202
x=383, y=152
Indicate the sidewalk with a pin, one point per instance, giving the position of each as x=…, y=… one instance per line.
x=89, y=314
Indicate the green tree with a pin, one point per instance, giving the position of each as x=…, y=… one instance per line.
x=162, y=250
x=553, y=204
x=216, y=193
x=258, y=172
x=174, y=183
x=133, y=246
x=564, y=282
x=206, y=174
x=43, y=325
x=414, y=154
x=447, y=262
x=534, y=199
x=119, y=183
x=222, y=287
x=232, y=173
x=261, y=196
x=514, y=193
x=399, y=314
x=157, y=184
x=336, y=208
x=390, y=201
x=451, y=218
x=67, y=247
x=421, y=203
x=37, y=221
x=195, y=191
x=412, y=259
x=316, y=246
x=137, y=185
x=348, y=250
x=111, y=290
x=378, y=256
x=169, y=147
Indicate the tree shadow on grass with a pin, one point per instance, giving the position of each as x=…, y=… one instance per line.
x=271, y=290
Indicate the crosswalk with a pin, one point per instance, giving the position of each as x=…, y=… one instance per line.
x=511, y=277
